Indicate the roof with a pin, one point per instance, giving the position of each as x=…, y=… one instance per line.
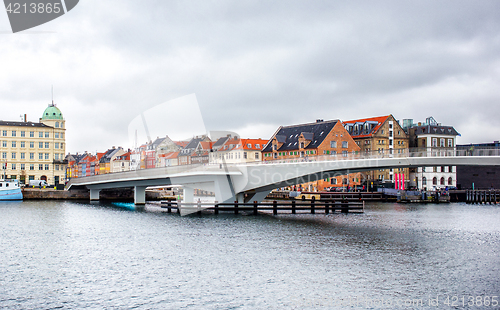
x=52, y=112
x=220, y=142
x=434, y=130
x=170, y=155
x=106, y=158
x=289, y=135
x=22, y=124
x=364, y=127
x=181, y=143
x=253, y=144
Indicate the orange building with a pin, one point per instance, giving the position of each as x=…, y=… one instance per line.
x=306, y=142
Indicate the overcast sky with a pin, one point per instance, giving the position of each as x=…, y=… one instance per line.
x=256, y=65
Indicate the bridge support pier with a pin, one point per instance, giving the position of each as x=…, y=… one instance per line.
x=139, y=195
x=94, y=194
x=188, y=194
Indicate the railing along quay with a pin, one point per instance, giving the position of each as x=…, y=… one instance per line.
x=312, y=207
x=483, y=196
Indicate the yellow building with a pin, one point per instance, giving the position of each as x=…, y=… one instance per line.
x=34, y=151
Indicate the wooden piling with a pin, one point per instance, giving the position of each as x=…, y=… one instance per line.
x=255, y=203
x=293, y=207
x=275, y=207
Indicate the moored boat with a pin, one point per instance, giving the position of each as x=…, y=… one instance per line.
x=10, y=190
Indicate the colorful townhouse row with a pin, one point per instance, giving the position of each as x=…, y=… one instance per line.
x=375, y=136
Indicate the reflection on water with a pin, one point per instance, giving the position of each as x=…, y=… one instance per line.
x=76, y=255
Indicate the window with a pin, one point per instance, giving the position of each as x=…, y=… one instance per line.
x=32, y=144
x=46, y=145
x=249, y=146
x=244, y=155
x=434, y=169
x=46, y=134
x=344, y=153
x=13, y=133
x=40, y=155
x=13, y=143
x=4, y=133
x=450, y=142
x=441, y=142
x=57, y=124
x=56, y=156
x=32, y=166
x=23, y=155
x=333, y=144
x=344, y=144
x=40, y=134
x=46, y=155
x=442, y=181
x=13, y=166
x=434, y=142
x=4, y=143
x=301, y=145
x=443, y=169
x=56, y=135
x=434, y=181
x=40, y=166
x=32, y=155
x=333, y=181
x=32, y=134
x=56, y=145
x=62, y=135
x=13, y=155
x=256, y=155
x=450, y=181
x=23, y=167
x=23, y=133
x=23, y=144
x=40, y=145
x=257, y=146
x=46, y=166
x=450, y=169
x=424, y=181
x=57, y=167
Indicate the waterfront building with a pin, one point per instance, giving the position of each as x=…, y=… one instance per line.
x=478, y=177
x=236, y=150
x=105, y=161
x=196, y=151
x=121, y=162
x=138, y=157
x=169, y=159
x=35, y=150
x=166, y=146
x=434, y=139
x=378, y=137
x=306, y=141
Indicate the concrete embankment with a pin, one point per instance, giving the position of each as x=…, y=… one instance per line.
x=83, y=194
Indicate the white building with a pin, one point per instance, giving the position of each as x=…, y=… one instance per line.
x=434, y=139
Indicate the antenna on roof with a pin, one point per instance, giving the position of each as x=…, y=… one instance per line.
x=52, y=89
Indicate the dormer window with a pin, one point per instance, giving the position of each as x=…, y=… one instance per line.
x=257, y=146
x=301, y=145
x=249, y=145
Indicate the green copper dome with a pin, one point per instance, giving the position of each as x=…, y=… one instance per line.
x=52, y=112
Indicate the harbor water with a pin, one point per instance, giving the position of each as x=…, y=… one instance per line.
x=70, y=255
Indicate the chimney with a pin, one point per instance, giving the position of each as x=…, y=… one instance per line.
x=319, y=121
x=25, y=118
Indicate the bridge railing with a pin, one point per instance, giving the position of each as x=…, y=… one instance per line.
x=396, y=153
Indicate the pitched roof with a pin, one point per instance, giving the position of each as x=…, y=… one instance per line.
x=434, y=129
x=170, y=155
x=364, y=127
x=253, y=143
x=289, y=135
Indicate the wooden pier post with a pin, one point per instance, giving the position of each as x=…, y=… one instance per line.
x=236, y=207
x=275, y=207
x=255, y=207
x=344, y=206
x=293, y=207
x=312, y=207
x=327, y=208
x=216, y=208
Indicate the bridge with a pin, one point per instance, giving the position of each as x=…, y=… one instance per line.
x=231, y=182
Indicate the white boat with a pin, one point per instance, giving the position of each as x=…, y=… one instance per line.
x=10, y=190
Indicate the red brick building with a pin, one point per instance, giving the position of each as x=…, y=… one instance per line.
x=307, y=141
